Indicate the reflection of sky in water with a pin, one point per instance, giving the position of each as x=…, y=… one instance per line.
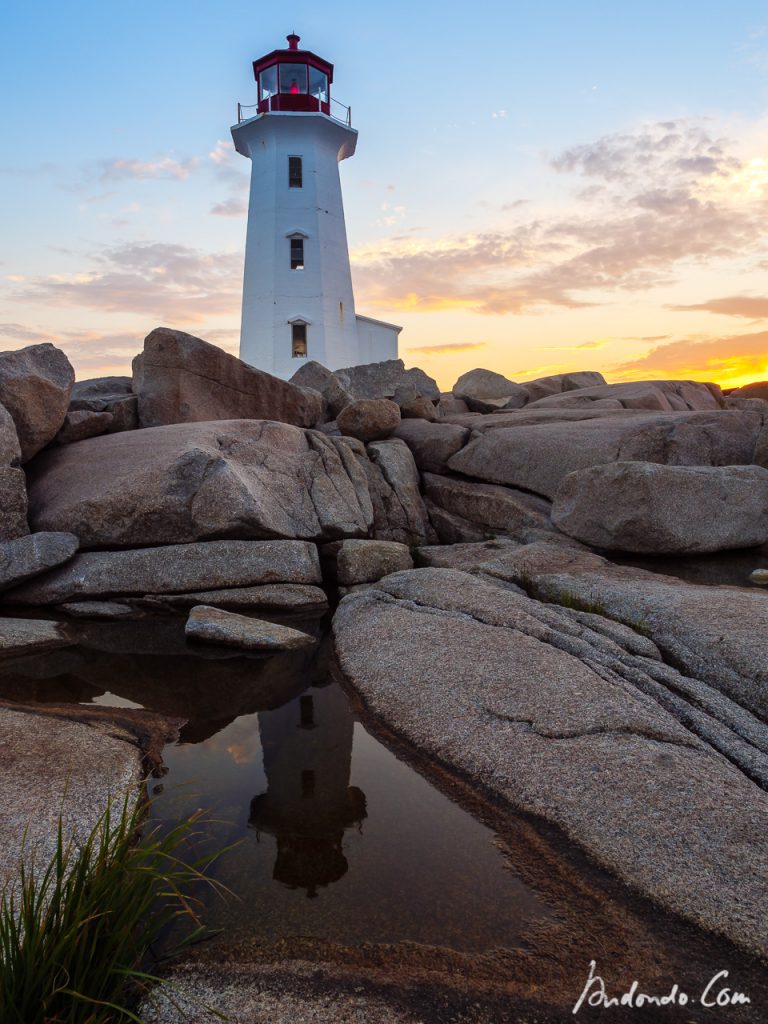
x=322, y=810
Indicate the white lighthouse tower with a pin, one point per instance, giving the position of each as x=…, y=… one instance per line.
x=298, y=302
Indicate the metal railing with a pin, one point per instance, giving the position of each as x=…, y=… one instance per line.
x=245, y=111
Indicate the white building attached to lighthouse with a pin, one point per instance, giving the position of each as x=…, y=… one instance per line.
x=298, y=302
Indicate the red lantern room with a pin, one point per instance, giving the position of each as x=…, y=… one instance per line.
x=293, y=79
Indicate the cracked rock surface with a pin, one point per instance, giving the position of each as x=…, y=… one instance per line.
x=570, y=715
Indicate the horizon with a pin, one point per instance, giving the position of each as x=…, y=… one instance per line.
x=588, y=195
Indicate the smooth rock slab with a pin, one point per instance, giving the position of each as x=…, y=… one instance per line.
x=648, y=508
x=487, y=505
x=284, y=597
x=432, y=444
x=28, y=636
x=216, y=626
x=195, y=481
x=536, y=456
x=175, y=568
x=29, y=556
x=496, y=687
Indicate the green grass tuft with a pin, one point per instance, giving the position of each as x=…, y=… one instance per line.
x=76, y=933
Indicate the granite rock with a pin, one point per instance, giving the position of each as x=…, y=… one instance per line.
x=35, y=385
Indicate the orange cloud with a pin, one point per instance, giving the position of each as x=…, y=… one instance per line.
x=749, y=306
x=730, y=361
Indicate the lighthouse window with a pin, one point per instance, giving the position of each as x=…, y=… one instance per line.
x=297, y=254
x=318, y=85
x=294, y=172
x=299, y=341
x=268, y=83
x=293, y=78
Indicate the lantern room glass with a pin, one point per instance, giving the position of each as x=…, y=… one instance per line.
x=318, y=85
x=268, y=83
x=293, y=78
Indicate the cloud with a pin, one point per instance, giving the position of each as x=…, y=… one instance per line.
x=165, y=167
x=230, y=208
x=655, y=209
x=169, y=282
x=749, y=306
x=454, y=346
x=720, y=358
x=22, y=333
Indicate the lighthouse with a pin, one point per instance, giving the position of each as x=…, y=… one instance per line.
x=298, y=302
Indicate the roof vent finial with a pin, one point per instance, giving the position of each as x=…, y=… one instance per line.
x=293, y=41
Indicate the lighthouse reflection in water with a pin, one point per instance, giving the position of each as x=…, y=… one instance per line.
x=308, y=803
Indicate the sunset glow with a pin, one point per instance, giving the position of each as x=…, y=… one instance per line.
x=601, y=203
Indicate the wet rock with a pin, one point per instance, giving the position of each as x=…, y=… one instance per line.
x=399, y=513
x=653, y=509
x=188, y=482
x=488, y=505
x=604, y=746
x=175, y=568
x=25, y=557
x=432, y=444
x=381, y=380
x=106, y=611
x=369, y=419
x=365, y=561
x=664, y=395
x=278, y=597
x=485, y=390
x=182, y=379
x=216, y=626
x=29, y=636
x=35, y=385
x=315, y=376
x=536, y=456
x=80, y=424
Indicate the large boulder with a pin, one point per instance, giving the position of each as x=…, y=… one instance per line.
x=486, y=391
x=35, y=385
x=182, y=379
x=381, y=380
x=664, y=395
x=13, y=482
x=432, y=444
x=365, y=561
x=556, y=384
x=369, y=419
x=757, y=389
x=536, y=456
x=648, y=508
x=25, y=557
x=192, y=481
x=555, y=717
x=315, y=376
x=399, y=513
x=173, y=569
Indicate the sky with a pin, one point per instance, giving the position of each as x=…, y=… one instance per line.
x=537, y=187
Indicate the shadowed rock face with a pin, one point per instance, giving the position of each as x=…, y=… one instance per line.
x=536, y=456
x=28, y=556
x=13, y=484
x=574, y=717
x=182, y=379
x=35, y=385
x=188, y=482
x=647, y=508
